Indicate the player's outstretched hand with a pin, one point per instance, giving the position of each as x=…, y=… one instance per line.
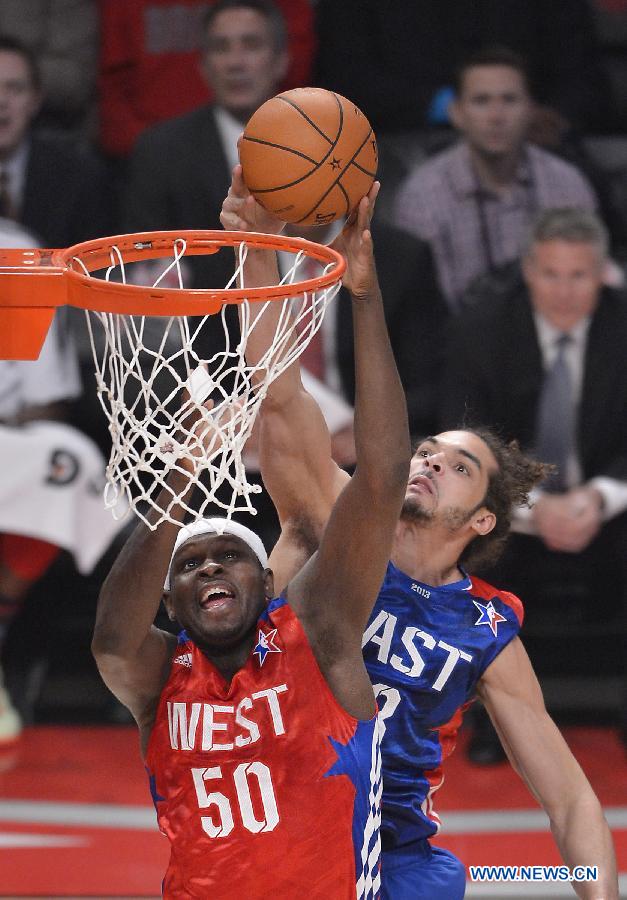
x=241, y=212
x=354, y=242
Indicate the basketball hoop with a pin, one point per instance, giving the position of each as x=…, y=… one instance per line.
x=156, y=396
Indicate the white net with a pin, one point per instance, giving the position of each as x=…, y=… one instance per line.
x=169, y=408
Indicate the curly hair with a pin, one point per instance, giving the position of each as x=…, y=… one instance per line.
x=508, y=486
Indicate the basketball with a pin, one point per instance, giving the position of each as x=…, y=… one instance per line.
x=308, y=156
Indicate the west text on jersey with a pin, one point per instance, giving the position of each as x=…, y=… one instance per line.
x=215, y=726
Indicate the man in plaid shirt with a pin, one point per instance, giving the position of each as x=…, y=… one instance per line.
x=474, y=201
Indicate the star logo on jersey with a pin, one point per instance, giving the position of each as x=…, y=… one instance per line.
x=489, y=616
x=266, y=645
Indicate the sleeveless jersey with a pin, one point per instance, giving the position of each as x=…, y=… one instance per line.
x=265, y=787
x=425, y=649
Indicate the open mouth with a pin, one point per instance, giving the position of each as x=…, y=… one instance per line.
x=421, y=482
x=216, y=595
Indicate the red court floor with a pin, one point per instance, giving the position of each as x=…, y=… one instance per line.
x=76, y=818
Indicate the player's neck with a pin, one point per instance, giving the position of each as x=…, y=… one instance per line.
x=426, y=554
x=229, y=661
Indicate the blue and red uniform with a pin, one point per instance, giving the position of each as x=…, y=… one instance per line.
x=264, y=786
x=425, y=649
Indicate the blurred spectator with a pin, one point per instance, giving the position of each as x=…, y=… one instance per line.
x=544, y=361
x=51, y=475
x=473, y=202
x=46, y=183
x=181, y=169
x=403, y=56
x=63, y=37
x=150, y=67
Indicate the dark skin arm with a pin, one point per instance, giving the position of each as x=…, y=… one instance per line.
x=133, y=656
x=335, y=592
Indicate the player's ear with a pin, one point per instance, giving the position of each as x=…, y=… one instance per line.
x=268, y=583
x=166, y=599
x=483, y=521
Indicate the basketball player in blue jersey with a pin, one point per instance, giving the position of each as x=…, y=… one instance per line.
x=438, y=636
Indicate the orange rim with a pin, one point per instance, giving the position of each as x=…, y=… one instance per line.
x=33, y=282
x=105, y=296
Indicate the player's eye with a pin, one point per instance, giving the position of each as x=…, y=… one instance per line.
x=190, y=563
x=424, y=453
x=462, y=467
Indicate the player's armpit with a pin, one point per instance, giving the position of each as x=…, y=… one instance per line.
x=138, y=681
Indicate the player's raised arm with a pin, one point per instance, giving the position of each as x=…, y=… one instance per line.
x=241, y=212
x=295, y=446
x=336, y=590
x=133, y=656
x=540, y=755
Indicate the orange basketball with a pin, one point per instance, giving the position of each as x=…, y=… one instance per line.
x=309, y=156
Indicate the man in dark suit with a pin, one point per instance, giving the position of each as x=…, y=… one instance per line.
x=47, y=184
x=544, y=361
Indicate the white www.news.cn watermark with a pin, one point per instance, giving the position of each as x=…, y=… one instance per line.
x=533, y=873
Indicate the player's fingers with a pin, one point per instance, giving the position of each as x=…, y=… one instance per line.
x=363, y=214
x=237, y=182
x=373, y=193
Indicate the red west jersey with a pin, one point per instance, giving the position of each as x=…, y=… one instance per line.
x=264, y=786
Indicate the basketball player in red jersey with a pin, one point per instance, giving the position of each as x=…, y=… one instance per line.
x=437, y=635
x=258, y=725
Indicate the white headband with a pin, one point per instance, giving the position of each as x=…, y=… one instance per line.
x=218, y=526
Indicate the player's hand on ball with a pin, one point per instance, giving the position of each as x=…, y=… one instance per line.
x=241, y=212
x=354, y=242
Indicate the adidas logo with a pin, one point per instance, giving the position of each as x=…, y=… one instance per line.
x=185, y=659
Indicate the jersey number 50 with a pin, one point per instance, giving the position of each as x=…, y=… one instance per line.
x=221, y=823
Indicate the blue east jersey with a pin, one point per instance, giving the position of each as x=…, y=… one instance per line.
x=425, y=649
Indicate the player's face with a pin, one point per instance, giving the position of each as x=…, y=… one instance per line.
x=218, y=589
x=493, y=109
x=564, y=281
x=19, y=100
x=241, y=62
x=448, y=479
